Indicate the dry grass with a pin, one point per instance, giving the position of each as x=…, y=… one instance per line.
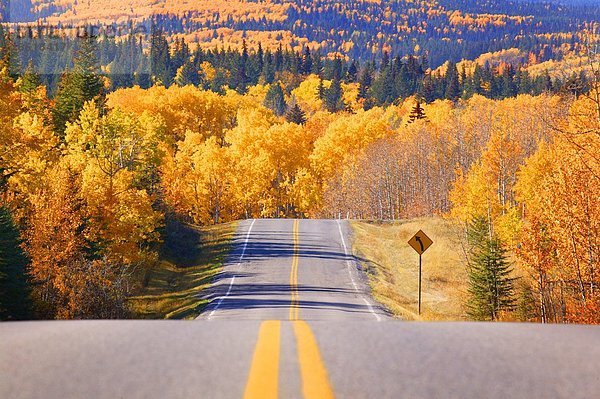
x=393, y=267
x=191, y=258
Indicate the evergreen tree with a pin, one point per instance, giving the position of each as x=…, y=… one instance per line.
x=307, y=61
x=321, y=90
x=268, y=72
x=30, y=80
x=275, y=100
x=240, y=77
x=491, y=287
x=160, y=58
x=365, y=80
x=333, y=95
x=416, y=113
x=428, y=89
x=452, y=83
x=352, y=74
x=509, y=89
x=296, y=115
x=76, y=87
x=9, y=58
x=383, y=88
x=14, y=290
x=317, y=64
x=187, y=74
x=86, y=68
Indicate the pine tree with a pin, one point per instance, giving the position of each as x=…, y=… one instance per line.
x=416, y=113
x=240, y=77
x=352, y=74
x=187, y=74
x=76, y=87
x=333, y=95
x=30, y=80
x=452, y=83
x=86, y=69
x=160, y=58
x=321, y=90
x=296, y=115
x=275, y=100
x=491, y=287
x=14, y=290
x=9, y=58
x=307, y=61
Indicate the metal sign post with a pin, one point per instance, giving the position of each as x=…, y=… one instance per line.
x=420, y=242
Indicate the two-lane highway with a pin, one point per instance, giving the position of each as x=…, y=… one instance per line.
x=285, y=269
x=291, y=317
x=294, y=270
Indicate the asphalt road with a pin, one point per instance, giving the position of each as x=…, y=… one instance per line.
x=291, y=317
x=278, y=260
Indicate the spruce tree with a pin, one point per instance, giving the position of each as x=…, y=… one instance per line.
x=275, y=100
x=416, y=113
x=160, y=58
x=296, y=115
x=352, y=74
x=187, y=74
x=86, y=68
x=307, y=61
x=76, y=87
x=333, y=95
x=30, y=80
x=14, y=290
x=452, y=83
x=491, y=287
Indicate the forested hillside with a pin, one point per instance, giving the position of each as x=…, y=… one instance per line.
x=486, y=112
x=90, y=177
x=442, y=30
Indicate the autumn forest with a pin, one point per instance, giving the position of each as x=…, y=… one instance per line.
x=96, y=161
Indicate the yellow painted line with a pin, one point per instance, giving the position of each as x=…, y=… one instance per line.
x=315, y=382
x=264, y=372
x=295, y=302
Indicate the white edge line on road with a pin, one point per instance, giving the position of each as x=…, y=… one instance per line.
x=349, y=265
x=233, y=278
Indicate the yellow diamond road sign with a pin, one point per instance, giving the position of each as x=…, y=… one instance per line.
x=420, y=242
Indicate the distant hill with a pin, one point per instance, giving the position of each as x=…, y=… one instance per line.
x=364, y=29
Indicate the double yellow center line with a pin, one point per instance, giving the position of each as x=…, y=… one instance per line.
x=263, y=380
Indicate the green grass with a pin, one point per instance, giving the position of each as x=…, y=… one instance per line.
x=190, y=259
x=393, y=267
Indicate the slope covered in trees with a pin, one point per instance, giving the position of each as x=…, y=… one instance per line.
x=442, y=29
x=89, y=178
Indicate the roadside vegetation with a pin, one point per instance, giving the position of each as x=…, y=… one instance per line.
x=392, y=267
x=191, y=257
x=91, y=178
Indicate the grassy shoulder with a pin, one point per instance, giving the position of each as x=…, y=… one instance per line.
x=190, y=259
x=393, y=267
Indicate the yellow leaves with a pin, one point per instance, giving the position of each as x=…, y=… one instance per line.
x=472, y=195
x=350, y=96
x=501, y=135
x=114, y=153
x=181, y=108
x=32, y=148
x=345, y=138
x=124, y=219
x=507, y=226
x=307, y=94
x=560, y=189
x=197, y=182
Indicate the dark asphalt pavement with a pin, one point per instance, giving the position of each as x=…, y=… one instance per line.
x=291, y=317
